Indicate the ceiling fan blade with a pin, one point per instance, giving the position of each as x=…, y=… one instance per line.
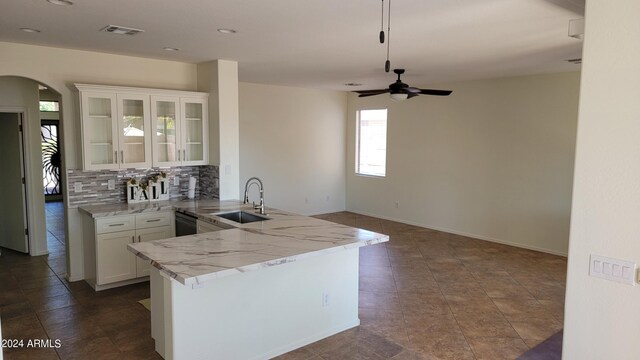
x=412, y=94
x=372, y=92
x=435, y=92
x=413, y=90
x=379, y=92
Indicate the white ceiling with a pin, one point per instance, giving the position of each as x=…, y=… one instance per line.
x=318, y=43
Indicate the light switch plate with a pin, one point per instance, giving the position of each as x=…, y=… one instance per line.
x=77, y=187
x=111, y=184
x=176, y=180
x=613, y=269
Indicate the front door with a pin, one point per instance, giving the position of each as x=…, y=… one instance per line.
x=13, y=210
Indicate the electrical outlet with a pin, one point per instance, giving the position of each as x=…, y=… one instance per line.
x=176, y=180
x=306, y=200
x=397, y=204
x=111, y=184
x=77, y=187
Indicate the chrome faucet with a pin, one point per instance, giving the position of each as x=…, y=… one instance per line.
x=251, y=181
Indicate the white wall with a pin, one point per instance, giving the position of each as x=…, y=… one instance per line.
x=294, y=140
x=59, y=69
x=602, y=318
x=494, y=160
x=23, y=93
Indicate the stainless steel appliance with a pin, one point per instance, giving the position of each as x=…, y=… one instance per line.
x=186, y=224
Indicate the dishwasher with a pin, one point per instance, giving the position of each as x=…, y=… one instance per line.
x=186, y=224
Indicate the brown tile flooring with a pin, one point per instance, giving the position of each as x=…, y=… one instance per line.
x=423, y=295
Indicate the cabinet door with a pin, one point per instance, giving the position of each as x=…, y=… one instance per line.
x=114, y=261
x=194, y=131
x=134, y=128
x=150, y=234
x=99, y=133
x=166, y=131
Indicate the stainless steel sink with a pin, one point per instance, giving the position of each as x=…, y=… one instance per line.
x=242, y=217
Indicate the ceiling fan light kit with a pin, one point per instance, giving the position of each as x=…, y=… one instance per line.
x=400, y=91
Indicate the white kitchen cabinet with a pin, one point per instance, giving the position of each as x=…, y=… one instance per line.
x=204, y=227
x=125, y=127
x=108, y=262
x=181, y=130
x=114, y=262
x=150, y=234
x=115, y=130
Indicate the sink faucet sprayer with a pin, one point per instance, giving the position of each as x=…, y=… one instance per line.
x=251, y=181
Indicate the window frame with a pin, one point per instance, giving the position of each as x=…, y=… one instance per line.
x=358, y=142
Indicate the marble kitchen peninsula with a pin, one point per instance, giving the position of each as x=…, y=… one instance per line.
x=253, y=291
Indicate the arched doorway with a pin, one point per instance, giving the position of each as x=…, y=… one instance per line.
x=36, y=169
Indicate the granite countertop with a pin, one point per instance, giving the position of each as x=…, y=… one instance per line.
x=195, y=259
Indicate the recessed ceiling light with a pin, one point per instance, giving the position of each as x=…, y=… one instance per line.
x=227, y=31
x=353, y=84
x=60, y=2
x=30, y=30
x=170, y=48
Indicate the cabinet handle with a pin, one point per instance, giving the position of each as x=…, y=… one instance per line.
x=116, y=224
x=122, y=156
x=139, y=240
x=133, y=239
x=154, y=220
x=178, y=155
x=184, y=155
x=115, y=157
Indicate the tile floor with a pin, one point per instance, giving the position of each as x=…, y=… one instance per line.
x=423, y=295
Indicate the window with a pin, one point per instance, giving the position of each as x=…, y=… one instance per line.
x=371, y=142
x=49, y=106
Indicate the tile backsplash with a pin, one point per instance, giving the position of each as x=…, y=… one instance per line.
x=95, y=183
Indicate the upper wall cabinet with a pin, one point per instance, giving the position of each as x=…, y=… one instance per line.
x=138, y=128
x=180, y=130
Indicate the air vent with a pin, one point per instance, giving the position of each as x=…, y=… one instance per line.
x=121, y=30
x=575, y=61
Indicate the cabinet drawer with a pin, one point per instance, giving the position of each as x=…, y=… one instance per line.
x=115, y=223
x=144, y=221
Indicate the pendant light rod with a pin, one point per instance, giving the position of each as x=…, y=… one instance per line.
x=387, y=64
x=382, y=24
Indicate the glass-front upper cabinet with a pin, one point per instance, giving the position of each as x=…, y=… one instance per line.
x=134, y=125
x=180, y=131
x=194, y=131
x=164, y=121
x=126, y=127
x=99, y=131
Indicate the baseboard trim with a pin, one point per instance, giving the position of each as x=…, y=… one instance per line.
x=308, y=340
x=462, y=233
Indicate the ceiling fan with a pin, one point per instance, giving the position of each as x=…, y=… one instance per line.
x=401, y=91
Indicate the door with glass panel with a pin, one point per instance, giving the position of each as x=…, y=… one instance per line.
x=134, y=128
x=166, y=131
x=194, y=131
x=100, y=136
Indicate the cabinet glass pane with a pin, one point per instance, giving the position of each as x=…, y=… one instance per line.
x=194, y=148
x=100, y=131
x=165, y=128
x=133, y=130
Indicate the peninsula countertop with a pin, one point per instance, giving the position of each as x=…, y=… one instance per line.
x=284, y=238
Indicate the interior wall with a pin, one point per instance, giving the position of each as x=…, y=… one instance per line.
x=293, y=139
x=59, y=69
x=602, y=317
x=493, y=161
x=23, y=93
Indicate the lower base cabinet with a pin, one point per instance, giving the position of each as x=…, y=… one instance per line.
x=108, y=262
